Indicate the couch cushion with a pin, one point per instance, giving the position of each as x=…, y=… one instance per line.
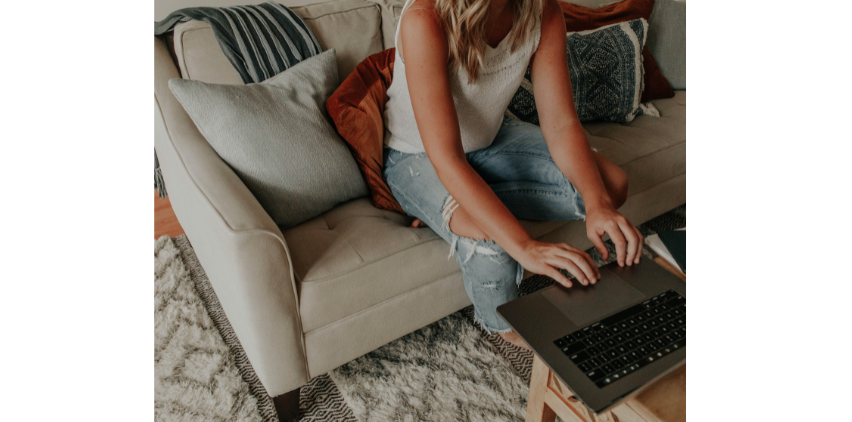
x=651, y=150
x=356, y=256
x=667, y=40
x=352, y=27
x=391, y=10
x=199, y=56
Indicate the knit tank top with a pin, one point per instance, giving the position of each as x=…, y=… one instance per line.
x=480, y=105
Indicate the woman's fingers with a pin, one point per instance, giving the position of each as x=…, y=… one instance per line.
x=556, y=275
x=587, y=258
x=632, y=241
x=641, y=244
x=599, y=245
x=591, y=262
x=571, y=267
x=619, y=241
x=576, y=257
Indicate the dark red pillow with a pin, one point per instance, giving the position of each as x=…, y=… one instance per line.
x=579, y=18
x=357, y=108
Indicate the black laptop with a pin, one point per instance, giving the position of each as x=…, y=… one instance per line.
x=608, y=340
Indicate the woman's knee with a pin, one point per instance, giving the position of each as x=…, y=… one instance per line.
x=459, y=222
x=614, y=178
x=618, y=190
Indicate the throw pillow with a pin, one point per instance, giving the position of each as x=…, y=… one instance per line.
x=278, y=139
x=579, y=18
x=357, y=108
x=606, y=75
x=667, y=40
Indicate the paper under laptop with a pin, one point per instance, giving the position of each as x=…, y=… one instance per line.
x=653, y=241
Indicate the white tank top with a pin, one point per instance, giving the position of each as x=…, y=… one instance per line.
x=480, y=105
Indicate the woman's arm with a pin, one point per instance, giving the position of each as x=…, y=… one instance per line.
x=568, y=144
x=425, y=51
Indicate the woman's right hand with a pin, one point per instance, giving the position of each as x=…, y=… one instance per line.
x=546, y=258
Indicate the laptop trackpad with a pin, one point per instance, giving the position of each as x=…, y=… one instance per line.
x=584, y=305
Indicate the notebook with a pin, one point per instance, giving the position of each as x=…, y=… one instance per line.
x=671, y=246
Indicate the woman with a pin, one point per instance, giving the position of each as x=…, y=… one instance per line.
x=456, y=164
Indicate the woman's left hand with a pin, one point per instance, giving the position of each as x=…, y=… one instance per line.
x=627, y=239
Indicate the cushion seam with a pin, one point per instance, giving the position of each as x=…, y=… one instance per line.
x=657, y=184
x=379, y=304
x=654, y=152
x=353, y=248
x=376, y=6
x=328, y=278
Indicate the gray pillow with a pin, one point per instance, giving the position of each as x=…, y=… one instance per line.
x=667, y=40
x=277, y=137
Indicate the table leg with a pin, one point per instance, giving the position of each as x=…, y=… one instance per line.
x=537, y=409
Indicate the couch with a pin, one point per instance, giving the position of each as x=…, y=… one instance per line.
x=310, y=298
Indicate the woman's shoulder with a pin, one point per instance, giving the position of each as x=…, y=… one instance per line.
x=420, y=19
x=420, y=29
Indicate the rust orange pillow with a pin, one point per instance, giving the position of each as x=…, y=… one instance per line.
x=579, y=18
x=357, y=108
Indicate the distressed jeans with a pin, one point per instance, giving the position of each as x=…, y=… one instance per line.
x=519, y=169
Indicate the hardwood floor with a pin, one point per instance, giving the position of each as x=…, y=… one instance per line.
x=165, y=221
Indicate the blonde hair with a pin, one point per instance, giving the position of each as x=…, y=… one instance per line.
x=464, y=26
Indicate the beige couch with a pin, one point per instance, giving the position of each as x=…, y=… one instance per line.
x=310, y=298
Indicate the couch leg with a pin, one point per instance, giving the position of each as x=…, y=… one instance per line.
x=287, y=406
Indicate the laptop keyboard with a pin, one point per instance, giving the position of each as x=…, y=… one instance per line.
x=612, y=348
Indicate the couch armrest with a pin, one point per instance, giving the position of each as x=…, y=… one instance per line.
x=242, y=250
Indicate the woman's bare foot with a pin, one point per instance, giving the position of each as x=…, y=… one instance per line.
x=417, y=223
x=513, y=338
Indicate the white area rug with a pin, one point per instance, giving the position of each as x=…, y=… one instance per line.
x=446, y=371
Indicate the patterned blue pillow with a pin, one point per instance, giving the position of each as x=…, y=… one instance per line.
x=606, y=75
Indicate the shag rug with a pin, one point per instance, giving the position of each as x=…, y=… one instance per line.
x=450, y=370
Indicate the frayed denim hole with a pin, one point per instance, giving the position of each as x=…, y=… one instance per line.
x=520, y=276
x=480, y=247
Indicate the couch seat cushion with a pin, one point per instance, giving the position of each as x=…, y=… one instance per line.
x=356, y=256
x=651, y=150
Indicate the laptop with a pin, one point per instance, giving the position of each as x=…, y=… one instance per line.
x=606, y=341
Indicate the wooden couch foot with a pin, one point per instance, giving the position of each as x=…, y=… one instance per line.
x=287, y=406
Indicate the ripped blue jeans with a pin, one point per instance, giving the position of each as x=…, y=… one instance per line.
x=519, y=169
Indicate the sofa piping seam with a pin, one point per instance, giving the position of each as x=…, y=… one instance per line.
x=651, y=153
x=657, y=184
x=330, y=277
x=380, y=303
x=373, y=5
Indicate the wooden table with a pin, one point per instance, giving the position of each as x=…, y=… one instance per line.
x=662, y=401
